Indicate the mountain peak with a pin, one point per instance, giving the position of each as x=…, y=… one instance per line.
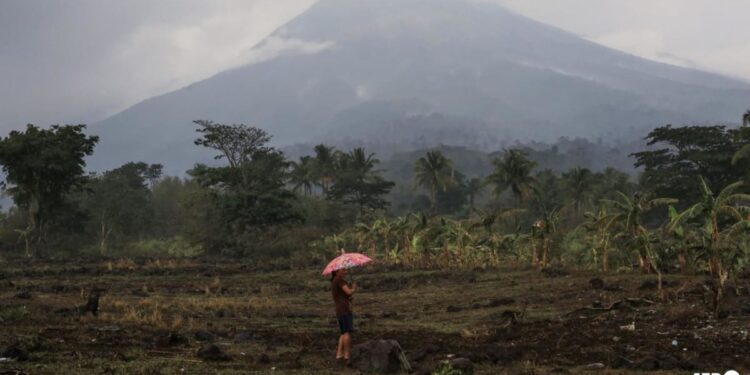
x=475, y=65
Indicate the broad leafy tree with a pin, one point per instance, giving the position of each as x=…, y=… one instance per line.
x=680, y=155
x=250, y=192
x=42, y=166
x=119, y=203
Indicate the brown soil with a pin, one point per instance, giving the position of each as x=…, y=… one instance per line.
x=506, y=321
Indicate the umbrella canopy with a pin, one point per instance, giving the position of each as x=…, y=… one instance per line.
x=346, y=261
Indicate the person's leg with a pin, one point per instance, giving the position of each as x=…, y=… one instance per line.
x=340, y=348
x=347, y=347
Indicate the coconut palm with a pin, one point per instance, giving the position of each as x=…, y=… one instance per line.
x=325, y=165
x=434, y=171
x=708, y=212
x=579, y=183
x=513, y=171
x=302, y=175
x=474, y=188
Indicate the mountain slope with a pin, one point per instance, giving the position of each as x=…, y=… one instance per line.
x=393, y=64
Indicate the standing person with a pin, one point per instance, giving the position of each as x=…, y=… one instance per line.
x=342, y=295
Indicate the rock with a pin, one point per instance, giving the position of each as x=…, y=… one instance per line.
x=212, y=352
x=15, y=351
x=203, y=336
x=23, y=295
x=172, y=339
x=379, y=356
x=595, y=366
x=462, y=364
x=111, y=328
x=596, y=283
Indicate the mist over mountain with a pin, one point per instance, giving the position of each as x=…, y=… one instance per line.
x=408, y=74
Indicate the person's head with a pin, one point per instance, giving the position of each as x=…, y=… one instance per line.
x=339, y=272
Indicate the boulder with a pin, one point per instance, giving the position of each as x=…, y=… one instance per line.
x=379, y=356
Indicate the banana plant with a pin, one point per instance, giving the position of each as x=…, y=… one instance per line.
x=707, y=213
x=627, y=215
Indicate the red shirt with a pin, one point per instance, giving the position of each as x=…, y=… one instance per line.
x=340, y=298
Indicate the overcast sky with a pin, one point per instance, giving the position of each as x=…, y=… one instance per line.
x=77, y=61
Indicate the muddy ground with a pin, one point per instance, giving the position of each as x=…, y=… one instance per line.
x=154, y=316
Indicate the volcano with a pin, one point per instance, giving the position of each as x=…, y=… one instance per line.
x=413, y=73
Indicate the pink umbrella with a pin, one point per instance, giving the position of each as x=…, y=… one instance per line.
x=346, y=261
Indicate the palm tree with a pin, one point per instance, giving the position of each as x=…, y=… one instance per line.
x=302, y=175
x=628, y=215
x=513, y=171
x=434, y=171
x=708, y=212
x=579, y=182
x=359, y=162
x=325, y=165
x=474, y=188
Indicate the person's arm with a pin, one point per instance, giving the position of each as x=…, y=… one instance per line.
x=349, y=291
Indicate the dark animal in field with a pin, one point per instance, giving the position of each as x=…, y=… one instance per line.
x=91, y=306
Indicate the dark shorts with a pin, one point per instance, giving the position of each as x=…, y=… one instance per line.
x=346, y=323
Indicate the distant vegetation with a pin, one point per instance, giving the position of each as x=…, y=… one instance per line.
x=444, y=207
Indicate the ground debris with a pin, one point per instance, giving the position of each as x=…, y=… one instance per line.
x=623, y=304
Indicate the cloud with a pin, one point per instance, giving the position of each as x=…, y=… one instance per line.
x=81, y=61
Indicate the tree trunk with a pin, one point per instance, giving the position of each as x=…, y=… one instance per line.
x=546, y=243
x=433, y=198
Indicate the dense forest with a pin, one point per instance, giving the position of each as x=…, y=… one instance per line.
x=685, y=209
